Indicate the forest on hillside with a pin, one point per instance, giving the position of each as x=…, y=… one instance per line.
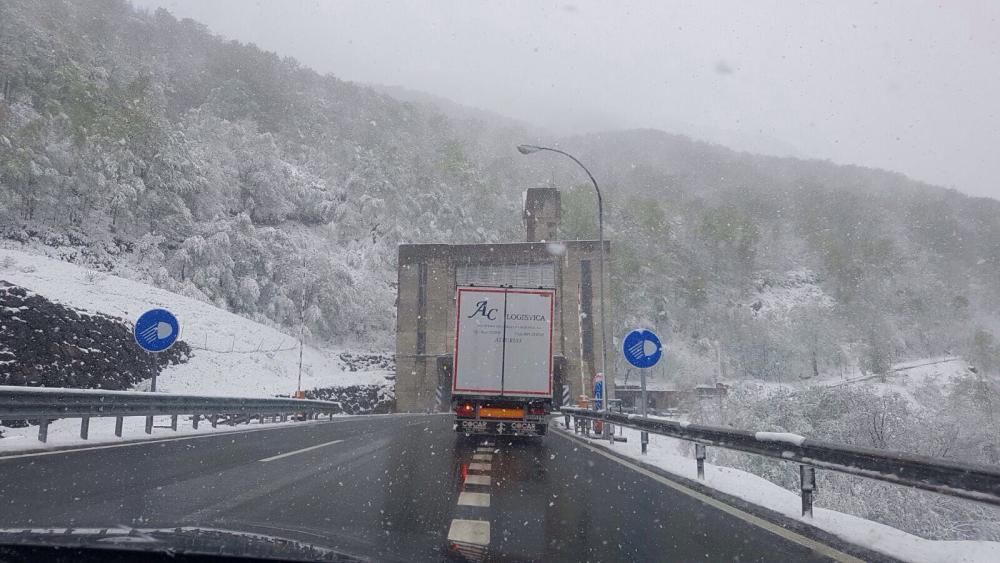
x=218, y=170
x=143, y=143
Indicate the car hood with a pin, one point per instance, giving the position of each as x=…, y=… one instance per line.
x=183, y=539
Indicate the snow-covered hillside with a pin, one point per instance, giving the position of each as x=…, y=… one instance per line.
x=778, y=295
x=909, y=378
x=232, y=355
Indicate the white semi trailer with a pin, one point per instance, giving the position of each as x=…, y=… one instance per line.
x=502, y=370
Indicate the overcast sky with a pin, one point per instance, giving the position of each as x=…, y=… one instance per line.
x=909, y=86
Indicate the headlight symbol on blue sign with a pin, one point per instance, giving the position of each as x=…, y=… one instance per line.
x=642, y=348
x=156, y=330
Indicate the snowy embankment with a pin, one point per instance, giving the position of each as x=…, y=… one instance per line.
x=666, y=454
x=66, y=432
x=233, y=356
x=906, y=378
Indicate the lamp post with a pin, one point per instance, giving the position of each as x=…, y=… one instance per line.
x=530, y=149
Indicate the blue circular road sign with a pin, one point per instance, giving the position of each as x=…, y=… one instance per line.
x=642, y=348
x=156, y=330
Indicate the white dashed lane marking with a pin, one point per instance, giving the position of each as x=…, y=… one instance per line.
x=303, y=450
x=483, y=480
x=474, y=499
x=470, y=535
x=472, y=532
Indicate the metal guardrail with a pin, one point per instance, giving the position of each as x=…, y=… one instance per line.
x=969, y=481
x=46, y=404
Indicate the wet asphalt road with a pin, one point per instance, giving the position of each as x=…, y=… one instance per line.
x=389, y=489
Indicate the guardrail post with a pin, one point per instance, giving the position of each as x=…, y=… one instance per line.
x=644, y=438
x=119, y=422
x=43, y=430
x=194, y=421
x=567, y=421
x=149, y=425
x=699, y=454
x=84, y=427
x=173, y=422
x=807, y=479
x=214, y=419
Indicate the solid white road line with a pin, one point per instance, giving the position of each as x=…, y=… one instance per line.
x=471, y=532
x=483, y=457
x=477, y=480
x=814, y=545
x=303, y=450
x=480, y=466
x=474, y=499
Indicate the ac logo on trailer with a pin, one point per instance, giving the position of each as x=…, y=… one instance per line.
x=481, y=309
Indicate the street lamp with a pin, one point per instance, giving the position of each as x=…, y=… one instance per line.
x=530, y=149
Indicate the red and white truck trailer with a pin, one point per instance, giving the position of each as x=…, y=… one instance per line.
x=502, y=370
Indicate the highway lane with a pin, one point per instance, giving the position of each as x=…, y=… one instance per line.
x=387, y=488
x=595, y=509
x=382, y=493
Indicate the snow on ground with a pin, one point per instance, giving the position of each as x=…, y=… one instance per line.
x=66, y=432
x=909, y=378
x=232, y=355
x=665, y=453
x=906, y=378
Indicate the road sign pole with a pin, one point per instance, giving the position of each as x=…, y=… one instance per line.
x=642, y=383
x=155, y=331
x=642, y=349
x=299, y=386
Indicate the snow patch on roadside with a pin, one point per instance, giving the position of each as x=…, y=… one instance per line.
x=784, y=437
x=232, y=355
x=66, y=432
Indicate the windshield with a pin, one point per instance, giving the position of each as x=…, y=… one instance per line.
x=504, y=281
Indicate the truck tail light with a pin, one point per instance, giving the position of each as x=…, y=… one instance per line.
x=536, y=409
x=465, y=409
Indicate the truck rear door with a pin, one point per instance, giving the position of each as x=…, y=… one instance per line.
x=503, y=342
x=478, y=367
x=527, y=370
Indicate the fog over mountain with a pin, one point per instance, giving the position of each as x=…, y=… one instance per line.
x=905, y=86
